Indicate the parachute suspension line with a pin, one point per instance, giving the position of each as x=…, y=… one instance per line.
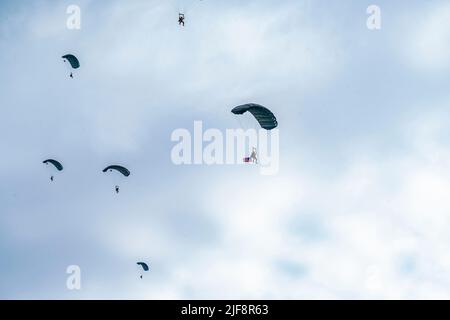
x=248, y=123
x=181, y=8
x=245, y=123
x=240, y=123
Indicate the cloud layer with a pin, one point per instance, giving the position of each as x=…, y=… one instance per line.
x=359, y=208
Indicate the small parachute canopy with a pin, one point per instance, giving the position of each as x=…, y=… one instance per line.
x=72, y=60
x=143, y=265
x=263, y=115
x=57, y=164
x=121, y=169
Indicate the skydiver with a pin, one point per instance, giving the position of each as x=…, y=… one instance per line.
x=51, y=178
x=117, y=189
x=71, y=75
x=181, y=19
x=254, y=156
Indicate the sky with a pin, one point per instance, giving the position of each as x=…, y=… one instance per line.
x=358, y=210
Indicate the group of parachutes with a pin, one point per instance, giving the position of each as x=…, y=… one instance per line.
x=59, y=167
x=263, y=116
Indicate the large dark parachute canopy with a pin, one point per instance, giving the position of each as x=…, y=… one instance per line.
x=57, y=164
x=121, y=169
x=72, y=60
x=143, y=265
x=263, y=115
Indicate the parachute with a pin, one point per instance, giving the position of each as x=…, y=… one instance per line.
x=121, y=169
x=143, y=265
x=124, y=171
x=72, y=60
x=263, y=115
x=55, y=163
x=55, y=166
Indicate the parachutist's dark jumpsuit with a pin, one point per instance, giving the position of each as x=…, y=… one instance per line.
x=181, y=21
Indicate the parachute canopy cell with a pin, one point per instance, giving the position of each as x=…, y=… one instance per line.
x=121, y=169
x=143, y=265
x=57, y=164
x=72, y=60
x=263, y=115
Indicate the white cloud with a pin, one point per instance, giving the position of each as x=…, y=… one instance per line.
x=370, y=227
x=427, y=38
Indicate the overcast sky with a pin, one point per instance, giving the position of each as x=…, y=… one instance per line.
x=360, y=207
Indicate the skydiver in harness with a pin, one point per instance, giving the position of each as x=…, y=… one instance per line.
x=51, y=178
x=254, y=156
x=117, y=189
x=181, y=19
